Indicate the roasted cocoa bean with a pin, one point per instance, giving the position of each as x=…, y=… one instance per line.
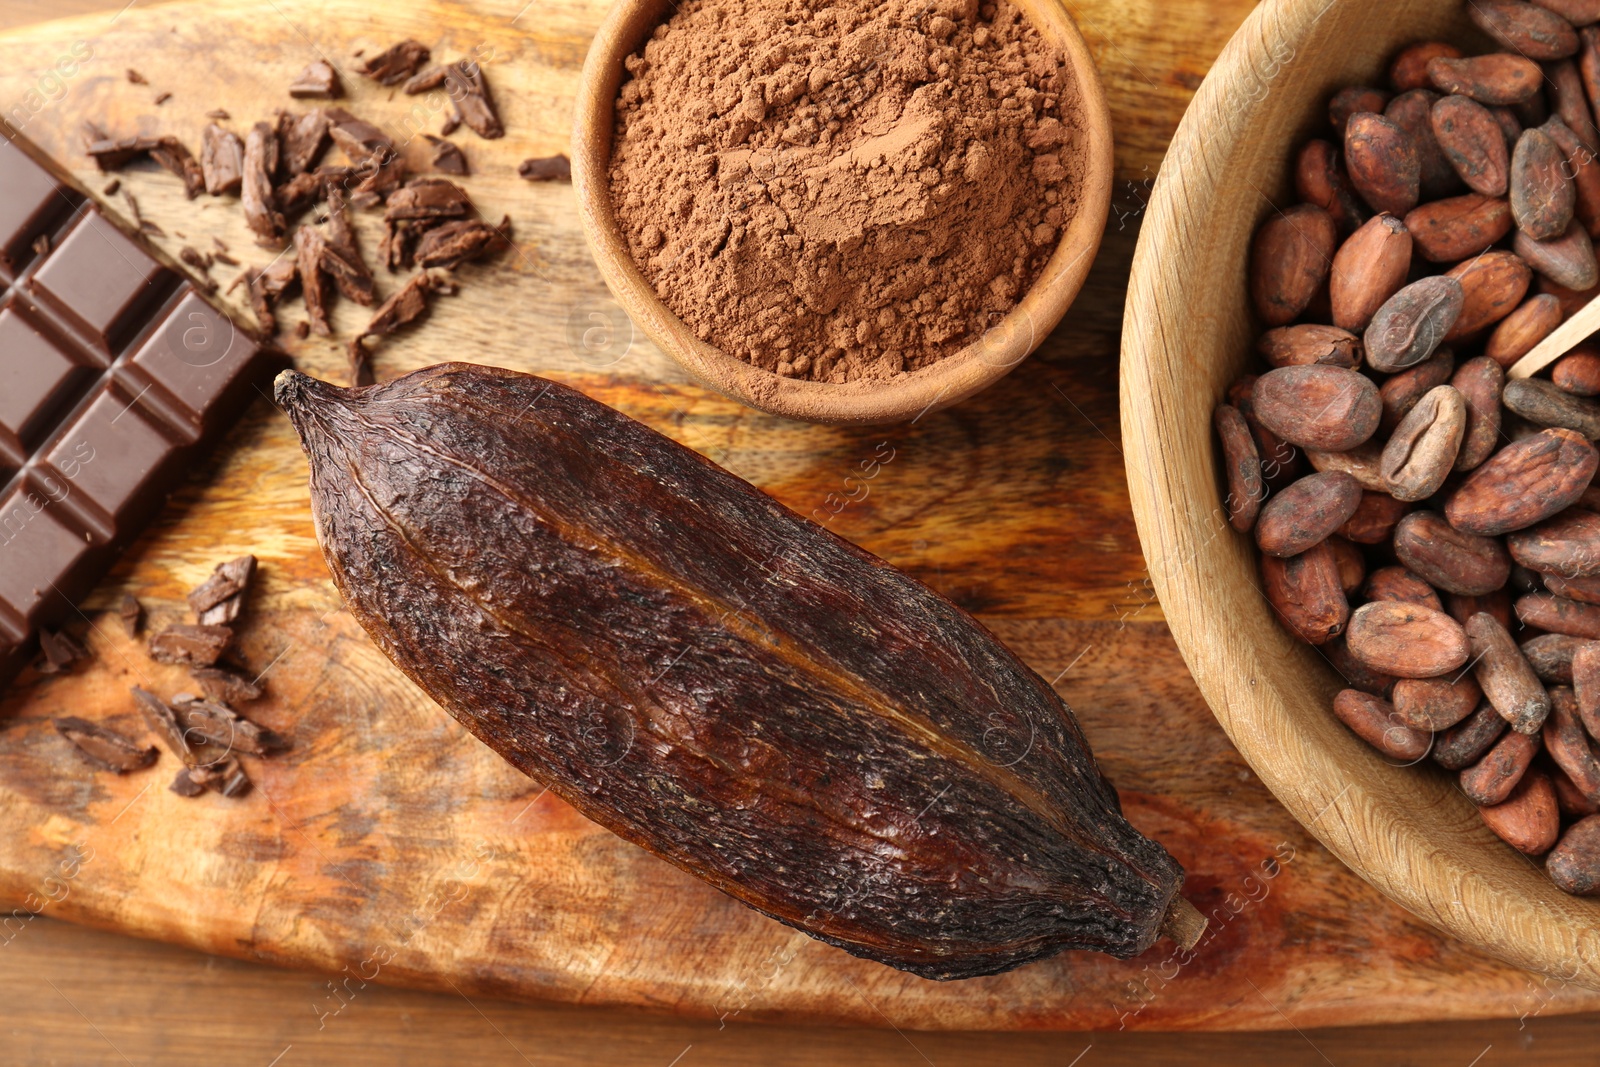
x=1569, y=745
x=1491, y=780
x=1352, y=99
x=1319, y=179
x=1572, y=300
x=1568, y=260
x=1448, y=559
x=1351, y=563
x=1526, y=29
x=1510, y=125
x=1412, y=111
x=1507, y=678
x=1584, y=170
x=1290, y=260
x=1410, y=68
x=1383, y=164
x=1373, y=719
x=1523, y=484
x=1567, y=546
x=1545, y=404
x=1306, y=513
x=1583, y=590
x=1406, y=640
x=1409, y=327
x=1310, y=343
x=1326, y=408
x=1425, y=445
x=1491, y=80
x=1574, y=864
x=1564, y=87
x=1557, y=615
x=1307, y=593
x=1551, y=656
x=1433, y=704
x=1241, y=467
x=1280, y=461
x=1577, y=12
x=1402, y=391
x=1522, y=330
x=1543, y=198
x=1497, y=605
x=1402, y=587
x=1360, y=463
x=1585, y=675
x=1356, y=675
x=1473, y=143
x=1447, y=231
x=1479, y=381
x=1573, y=804
x=1369, y=268
x=1375, y=518
x=1530, y=819
x=1578, y=372
x=1493, y=285
x=1470, y=740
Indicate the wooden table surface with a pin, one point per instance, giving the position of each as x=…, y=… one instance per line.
x=79, y=996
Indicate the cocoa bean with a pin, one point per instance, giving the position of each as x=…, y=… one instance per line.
x=1375, y=518
x=1319, y=179
x=1406, y=640
x=1447, y=231
x=1310, y=343
x=1325, y=408
x=1425, y=445
x=1497, y=605
x=1360, y=463
x=1434, y=704
x=1525, y=29
x=1402, y=392
x=1493, y=285
x=1569, y=745
x=1551, y=657
x=1351, y=563
x=1402, y=587
x=1522, y=330
x=1280, y=461
x=1573, y=804
x=1369, y=268
x=1306, y=513
x=1241, y=466
x=1491, y=780
x=1383, y=164
x=1410, y=68
x=1510, y=125
x=1491, y=79
x=1473, y=143
x=1545, y=404
x=1290, y=260
x=1578, y=372
x=1470, y=740
x=1558, y=615
x=1479, y=381
x=1577, y=12
x=1307, y=593
x=1567, y=546
x=1574, y=864
x=1523, y=484
x=1448, y=559
x=1373, y=719
x=1572, y=300
x=1584, y=170
x=1583, y=590
x=1564, y=86
x=1356, y=675
x=1568, y=260
x=1413, y=112
x=1508, y=680
x=1530, y=819
x=1543, y=197
x=1585, y=668
x=1410, y=325
x=1352, y=99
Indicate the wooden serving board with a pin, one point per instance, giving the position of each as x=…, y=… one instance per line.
x=391, y=847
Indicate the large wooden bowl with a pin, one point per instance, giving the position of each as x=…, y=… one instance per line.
x=1188, y=333
x=947, y=382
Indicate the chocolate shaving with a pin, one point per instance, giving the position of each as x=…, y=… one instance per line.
x=131, y=612
x=133, y=207
x=59, y=651
x=225, y=589
x=162, y=98
x=218, y=114
x=557, y=168
x=304, y=141
x=191, y=646
x=221, y=160
x=226, y=686
x=319, y=79
x=426, y=80
x=469, y=93
x=135, y=78
x=210, y=723
x=310, y=247
x=360, y=141
x=173, y=155
x=260, y=160
x=454, y=243
x=447, y=156
x=398, y=63
x=105, y=749
x=427, y=198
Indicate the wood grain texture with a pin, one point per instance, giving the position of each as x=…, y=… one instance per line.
x=1409, y=831
x=387, y=832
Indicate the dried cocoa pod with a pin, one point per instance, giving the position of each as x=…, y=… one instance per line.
x=1566, y=546
x=1241, y=467
x=1584, y=170
x=1543, y=198
x=1326, y=408
x=1307, y=513
x=1493, y=285
x=1352, y=99
x=1383, y=163
x=1507, y=678
x=1583, y=590
x=459, y=495
x=1564, y=86
x=1574, y=864
x=1526, y=29
x=1473, y=143
x=1447, y=231
x=1409, y=327
x=1522, y=330
x=1351, y=563
x=1406, y=640
x=1412, y=111
x=1310, y=343
x=1319, y=179
x=1568, y=260
x=1578, y=372
x=1360, y=463
x=1491, y=80
x=1401, y=392
x=1497, y=605
x=1410, y=68
x=1491, y=780
x=1433, y=704
x=1356, y=675
x=1448, y=559
x=1308, y=594
x=1470, y=740
x=1545, y=404
x=1402, y=587
x=1551, y=657
x=1373, y=719
x=1374, y=519
x=1524, y=483
x=1369, y=268
x=1530, y=819
x=1289, y=262
x=1557, y=615
x=1480, y=382
x=1424, y=447
x=1569, y=744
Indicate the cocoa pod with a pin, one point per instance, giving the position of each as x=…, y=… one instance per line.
x=1351, y=563
x=1383, y=163
x=1574, y=864
x=1577, y=12
x=1545, y=404
x=1434, y=704
x=1290, y=259
x=1375, y=518
x=1585, y=668
x=1402, y=587
x=1523, y=484
x=1410, y=68
x=1543, y=197
x=1356, y=675
x=1566, y=546
x=1306, y=513
x=1307, y=593
x=1508, y=680
x=1569, y=744
x=1325, y=408
x=1473, y=143
x=1564, y=86
x=1411, y=324
x=1352, y=99
x=1241, y=467
x=1497, y=605
x=1469, y=740
x=1448, y=559
x=1526, y=29
x=1369, y=268
x=1583, y=590
x=1413, y=112
x=1491, y=780
x=1584, y=170
x=1319, y=179
x=1529, y=820
x=1310, y=343
x=1425, y=445
x=1493, y=285
x=1489, y=79
x=1360, y=463
x=1557, y=615
x=1573, y=804
x=1568, y=260
x=1578, y=372
x=1373, y=719
x=1522, y=330
x=1447, y=231
x=1401, y=393
x=1551, y=657
x=1479, y=381
x=1406, y=640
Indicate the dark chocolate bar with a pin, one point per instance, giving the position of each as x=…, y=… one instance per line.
x=115, y=378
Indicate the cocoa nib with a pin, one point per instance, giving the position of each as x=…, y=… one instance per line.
x=448, y=157
x=396, y=64
x=220, y=598
x=557, y=168
x=105, y=749
x=260, y=161
x=469, y=96
x=221, y=160
x=454, y=243
x=319, y=79
x=191, y=646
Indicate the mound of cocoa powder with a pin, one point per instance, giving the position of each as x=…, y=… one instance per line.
x=845, y=192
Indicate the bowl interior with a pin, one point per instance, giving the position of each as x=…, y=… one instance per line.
x=1189, y=332
x=950, y=380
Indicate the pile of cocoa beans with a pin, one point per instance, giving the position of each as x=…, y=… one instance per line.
x=1425, y=521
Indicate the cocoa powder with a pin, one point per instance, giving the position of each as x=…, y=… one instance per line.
x=847, y=192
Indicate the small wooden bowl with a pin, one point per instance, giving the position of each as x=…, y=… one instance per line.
x=949, y=381
x=1188, y=333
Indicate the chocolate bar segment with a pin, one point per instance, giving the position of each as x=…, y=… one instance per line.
x=116, y=378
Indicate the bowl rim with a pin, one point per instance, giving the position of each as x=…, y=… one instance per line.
x=1412, y=835
x=953, y=379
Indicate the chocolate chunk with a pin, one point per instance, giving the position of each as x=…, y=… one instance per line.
x=163, y=722
x=60, y=651
x=135, y=78
x=380, y=182
x=111, y=153
x=225, y=777
x=226, y=686
x=191, y=646
x=229, y=582
x=454, y=243
x=298, y=194
x=557, y=168
x=218, y=114
x=310, y=247
x=319, y=79
x=109, y=189
x=426, y=80
x=447, y=156
x=131, y=612
x=103, y=748
x=171, y=154
x=304, y=141
x=214, y=727
x=427, y=198
x=398, y=63
x=360, y=141
x=186, y=786
x=260, y=161
x=341, y=259
x=221, y=160
x=469, y=95
x=407, y=305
